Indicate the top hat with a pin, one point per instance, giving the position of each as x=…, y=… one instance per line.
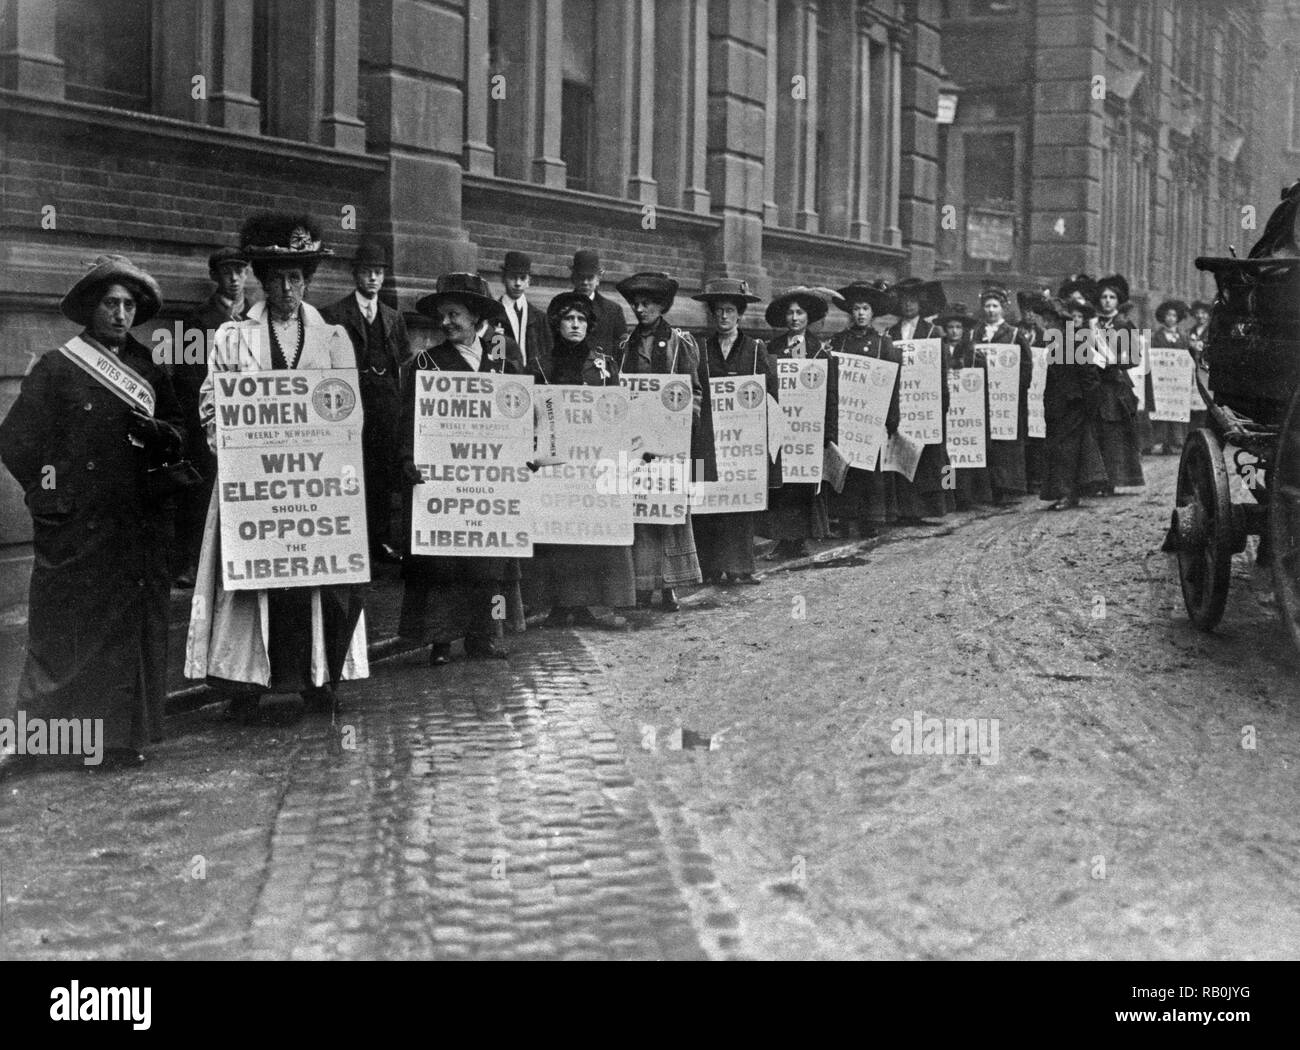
x=650, y=284
x=1117, y=283
x=279, y=237
x=566, y=301
x=467, y=288
x=928, y=294
x=726, y=290
x=518, y=262
x=956, y=312
x=586, y=263
x=226, y=255
x=1177, y=305
x=815, y=305
x=875, y=294
x=370, y=254
x=994, y=291
x=79, y=304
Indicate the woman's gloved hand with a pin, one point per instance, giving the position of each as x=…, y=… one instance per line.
x=411, y=473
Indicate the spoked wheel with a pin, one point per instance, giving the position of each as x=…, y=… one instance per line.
x=1284, y=521
x=1204, y=528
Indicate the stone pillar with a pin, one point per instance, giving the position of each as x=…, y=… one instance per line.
x=416, y=113
x=28, y=62
x=480, y=158
x=919, y=165
x=681, y=105
x=1065, y=158
x=895, y=137
x=547, y=28
x=739, y=85
x=615, y=89
x=860, y=227
x=340, y=44
x=230, y=101
x=806, y=217
x=641, y=185
x=771, y=211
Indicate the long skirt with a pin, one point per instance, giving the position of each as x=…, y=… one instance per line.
x=795, y=512
x=1035, y=463
x=1007, y=467
x=664, y=556
x=869, y=497
x=725, y=543
x=1118, y=437
x=445, y=599
x=973, y=487
x=289, y=629
x=1074, y=463
x=926, y=496
x=568, y=576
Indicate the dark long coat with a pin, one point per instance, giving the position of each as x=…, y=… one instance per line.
x=100, y=588
x=537, y=336
x=1073, y=463
x=1118, y=431
x=1006, y=459
x=869, y=496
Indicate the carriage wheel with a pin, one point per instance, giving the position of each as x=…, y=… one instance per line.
x=1203, y=521
x=1284, y=521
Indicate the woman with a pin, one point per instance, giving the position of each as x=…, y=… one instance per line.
x=1166, y=437
x=1073, y=463
x=970, y=484
x=797, y=513
x=1117, y=346
x=1006, y=457
x=446, y=598
x=581, y=584
x=1035, y=311
x=1196, y=336
x=868, y=497
x=664, y=555
x=726, y=541
x=314, y=636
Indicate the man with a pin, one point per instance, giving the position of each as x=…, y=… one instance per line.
x=91, y=421
x=228, y=270
x=379, y=338
x=914, y=300
x=524, y=324
x=610, y=328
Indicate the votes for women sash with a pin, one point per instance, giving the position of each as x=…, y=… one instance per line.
x=119, y=377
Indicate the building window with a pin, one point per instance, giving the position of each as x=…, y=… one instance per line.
x=577, y=104
x=989, y=190
x=261, y=76
x=106, y=51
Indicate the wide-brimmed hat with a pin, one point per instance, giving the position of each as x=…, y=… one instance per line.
x=1078, y=285
x=566, y=301
x=876, y=294
x=518, y=262
x=649, y=284
x=1114, y=281
x=79, y=304
x=370, y=254
x=586, y=263
x=1037, y=300
x=226, y=255
x=929, y=294
x=1200, y=304
x=1177, y=305
x=467, y=288
x=280, y=237
x=995, y=291
x=726, y=290
x=956, y=312
x=815, y=305
x=1065, y=307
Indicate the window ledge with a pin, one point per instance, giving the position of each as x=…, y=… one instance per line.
x=804, y=239
x=592, y=204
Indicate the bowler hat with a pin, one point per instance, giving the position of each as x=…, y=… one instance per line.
x=567, y=301
x=280, y=237
x=1177, y=305
x=517, y=262
x=1116, y=283
x=875, y=294
x=649, y=284
x=467, y=288
x=226, y=255
x=928, y=294
x=370, y=254
x=586, y=263
x=815, y=305
x=956, y=312
x=726, y=290
x=79, y=304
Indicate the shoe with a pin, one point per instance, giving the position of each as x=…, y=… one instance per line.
x=1068, y=503
x=712, y=577
x=643, y=599
x=439, y=655
x=488, y=650
x=121, y=758
x=559, y=617
x=319, y=700
x=244, y=708
x=746, y=578
x=609, y=621
x=668, y=602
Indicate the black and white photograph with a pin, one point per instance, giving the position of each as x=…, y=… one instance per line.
x=651, y=480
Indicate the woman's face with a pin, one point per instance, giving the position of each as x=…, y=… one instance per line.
x=861, y=313
x=458, y=324
x=954, y=330
x=573, y=326
x=1202, y=317
x=796, y=317
x=992, y=307
x=1109, y=300
x=1169, y=318
x=648, y=311
x=285, y=286
x=725, y=317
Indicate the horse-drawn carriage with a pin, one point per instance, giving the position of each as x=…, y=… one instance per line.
x=1249, y=376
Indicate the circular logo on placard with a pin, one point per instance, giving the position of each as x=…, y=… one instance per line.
x=924, y=355
x=751, y=393
x=1009, y=358
x=512, y=400
x=610, y=408
x=675, y=396
x=812, y=378
x=333, y=400
x=879, y=378
x=970, y=382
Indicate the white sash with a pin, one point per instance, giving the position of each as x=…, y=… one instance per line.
x=115, y=374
